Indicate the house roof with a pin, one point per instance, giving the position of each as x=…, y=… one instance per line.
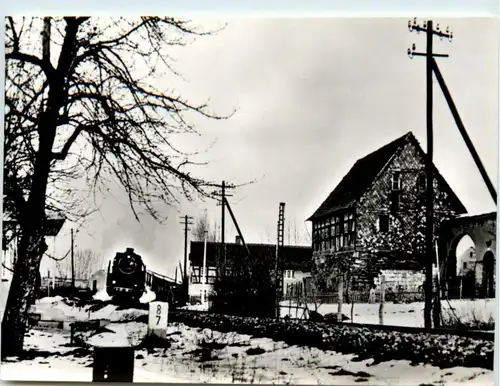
x=295, y=257
x=364, y=172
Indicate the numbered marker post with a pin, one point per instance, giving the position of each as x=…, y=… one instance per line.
x=158, y=319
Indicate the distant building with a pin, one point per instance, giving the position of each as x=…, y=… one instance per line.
x=297, y=260
x=467, y=262
x=10, y=243
x=97, y=281
x=376, y=214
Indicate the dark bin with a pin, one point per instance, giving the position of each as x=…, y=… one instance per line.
x=113, y=364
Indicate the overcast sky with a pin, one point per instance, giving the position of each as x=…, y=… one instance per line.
x=312, y=97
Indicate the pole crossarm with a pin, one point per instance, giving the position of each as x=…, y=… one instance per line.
x=414, y=26
x=437, y=32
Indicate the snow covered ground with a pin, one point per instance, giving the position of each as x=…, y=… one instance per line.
x=4, y=293
x=202, y=355
x=411, y=315
x=57, y=309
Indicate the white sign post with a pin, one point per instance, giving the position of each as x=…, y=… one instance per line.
x=158, y=319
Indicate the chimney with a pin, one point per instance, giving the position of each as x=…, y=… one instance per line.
x=238, y=240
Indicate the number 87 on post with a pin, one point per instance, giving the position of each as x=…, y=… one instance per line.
x=158, y=316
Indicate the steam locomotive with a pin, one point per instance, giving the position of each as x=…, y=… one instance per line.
x=127, y=279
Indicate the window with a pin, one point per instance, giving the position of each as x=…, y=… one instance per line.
x=394, y=202
x=396, y=181
x=195, y=275
x=465, y=265
x=383, y=223
x=421, y=182
x=335, y=232
x=348, y=223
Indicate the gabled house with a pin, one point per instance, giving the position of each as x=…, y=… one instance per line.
x=376, y=214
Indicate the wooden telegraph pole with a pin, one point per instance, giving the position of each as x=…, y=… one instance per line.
x=72, y=259
x=429, y=167
x=186, y=221
x=222, y=202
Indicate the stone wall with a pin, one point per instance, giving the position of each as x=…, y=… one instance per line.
x=410, y=281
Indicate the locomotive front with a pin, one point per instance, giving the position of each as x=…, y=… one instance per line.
x=126, y=276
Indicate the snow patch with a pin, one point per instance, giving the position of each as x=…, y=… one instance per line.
x=121, y=335
x=195, y=307
x=148, y=296
x=102, y=295
x=54, y=309
x=409, y=315
x=50, y=300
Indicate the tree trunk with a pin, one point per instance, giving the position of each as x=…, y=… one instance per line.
x=32, y=217
x=21, y=294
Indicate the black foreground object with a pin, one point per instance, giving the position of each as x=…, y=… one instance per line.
x=113, y=364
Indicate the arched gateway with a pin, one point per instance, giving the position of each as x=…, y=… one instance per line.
x=482, y=231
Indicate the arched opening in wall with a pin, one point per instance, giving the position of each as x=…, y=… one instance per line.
x=462, y=268
x=465, y=255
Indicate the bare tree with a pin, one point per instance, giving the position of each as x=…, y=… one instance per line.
x=83, y=104
x=295, y=235
x=268, y=235
x=87, y=262
x=201, y=226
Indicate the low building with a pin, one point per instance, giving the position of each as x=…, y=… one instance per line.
x=297, y=260
x=10, y=233
x=97, y=281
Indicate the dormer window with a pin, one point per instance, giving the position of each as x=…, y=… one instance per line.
x=396, y=181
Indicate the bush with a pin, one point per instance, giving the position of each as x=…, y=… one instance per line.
x=250, y=290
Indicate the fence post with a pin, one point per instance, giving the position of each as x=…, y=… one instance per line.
x=352, y=308
x=297, y=302
x=382, y=300
x=340, y=289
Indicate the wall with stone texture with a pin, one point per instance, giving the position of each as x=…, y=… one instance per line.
x=406, y=237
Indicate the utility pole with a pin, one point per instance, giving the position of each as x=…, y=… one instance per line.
x=186, y=221
x=72, y=260
x=429, y=167
x=222, y=202
x=204, y=271
x=279, y=259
